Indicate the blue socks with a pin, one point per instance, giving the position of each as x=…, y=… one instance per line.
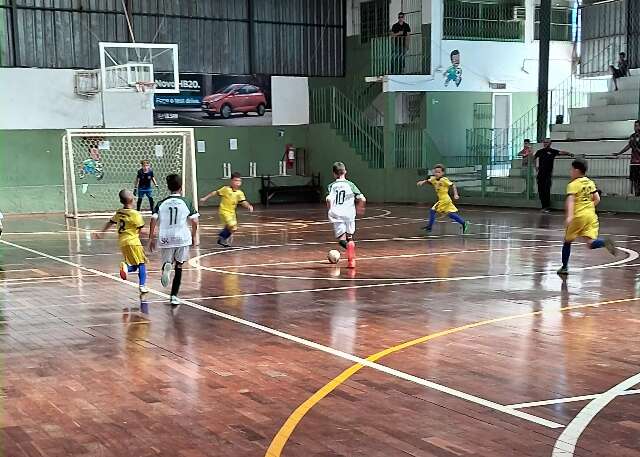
x=142, y=272
x=457, y=218
x=566, y=252
x=225, y=233
x=432, y=218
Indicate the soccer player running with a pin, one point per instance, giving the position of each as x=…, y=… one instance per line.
x=230, y=197
x=343, y=200
x=142, y=185
x=178, y=223
x=444, y=205
x=129, y=223
x=582, y=220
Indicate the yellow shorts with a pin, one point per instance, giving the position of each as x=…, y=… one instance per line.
x=445, y=206
x=228, y=220
x=582, y=226
x=133, y=255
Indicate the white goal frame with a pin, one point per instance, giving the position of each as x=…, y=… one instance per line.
x=190, y=189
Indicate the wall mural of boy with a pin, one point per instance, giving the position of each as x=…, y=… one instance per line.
x=454, y=72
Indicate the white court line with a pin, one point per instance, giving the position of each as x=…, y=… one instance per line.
x=565, y=400
x=619, y=264
x=393, y=256
x=195, y=262
x=328, y=350
x=566, y=443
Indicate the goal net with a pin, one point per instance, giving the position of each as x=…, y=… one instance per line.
x=98, y=163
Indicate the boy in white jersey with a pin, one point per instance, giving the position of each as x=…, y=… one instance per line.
x=343, y=199
x=178, y=224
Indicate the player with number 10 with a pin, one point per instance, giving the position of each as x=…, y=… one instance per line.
x=343, y=200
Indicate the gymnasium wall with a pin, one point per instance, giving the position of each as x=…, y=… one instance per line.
x=450, y=114
x=42, y=98
x=378, y=185
x=31, y=163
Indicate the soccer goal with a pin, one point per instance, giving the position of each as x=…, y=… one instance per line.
x=98, y=163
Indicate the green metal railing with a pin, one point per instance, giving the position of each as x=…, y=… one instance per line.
x=409, y=147
x=483, y=29
x=489, y=21
x=390, y=56
x=329, y=105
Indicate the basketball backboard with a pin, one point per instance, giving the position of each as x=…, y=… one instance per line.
x=124, y=65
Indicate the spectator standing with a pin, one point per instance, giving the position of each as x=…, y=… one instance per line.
x=544, y=160
x=634, y=166
x=400, y=43
x=526, y=153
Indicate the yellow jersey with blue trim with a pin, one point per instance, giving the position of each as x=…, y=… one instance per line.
x=582, y=189
x=128, y=223
x=229, y=199
x=441, y=186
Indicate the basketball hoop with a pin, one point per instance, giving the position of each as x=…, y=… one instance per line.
x=145, y=86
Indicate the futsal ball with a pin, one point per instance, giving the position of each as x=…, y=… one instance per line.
x=333, y=256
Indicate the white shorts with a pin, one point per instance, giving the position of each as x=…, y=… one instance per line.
x=345, y=226
x=180, y=255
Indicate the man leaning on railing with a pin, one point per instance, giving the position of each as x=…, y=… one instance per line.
x=400, y=43
x=634, y=166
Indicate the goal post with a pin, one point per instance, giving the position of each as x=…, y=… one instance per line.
x=98, y=163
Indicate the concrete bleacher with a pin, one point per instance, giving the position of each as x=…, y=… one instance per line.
x=609, y=115
x=595, y=133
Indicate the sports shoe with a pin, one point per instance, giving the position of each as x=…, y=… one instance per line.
x=351, y=254
x=144, y=290
x=174, y=300
x=166, y=271
x=563, y=271
x=610, y=246
x=223, y=242
x=465, y=227
x=427, y=229
x=124, y=268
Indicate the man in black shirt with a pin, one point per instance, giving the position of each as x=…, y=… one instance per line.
x=544, y=159
x=400, y=36
x=634, y=166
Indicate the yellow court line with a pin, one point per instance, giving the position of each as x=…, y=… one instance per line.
x=282, y=437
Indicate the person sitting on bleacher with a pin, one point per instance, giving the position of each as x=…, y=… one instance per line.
x=621, y=71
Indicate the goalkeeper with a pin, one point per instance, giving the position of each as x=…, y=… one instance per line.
x=142, y=186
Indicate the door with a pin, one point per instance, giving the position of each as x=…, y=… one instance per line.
x=501, y=127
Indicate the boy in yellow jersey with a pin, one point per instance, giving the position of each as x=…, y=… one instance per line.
x=230, y=197
x=582, y=220
x=444, y=204
x=129, y=222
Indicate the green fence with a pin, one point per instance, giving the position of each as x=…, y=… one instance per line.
x=329, y=105
x=395, y=56
x=489, y=21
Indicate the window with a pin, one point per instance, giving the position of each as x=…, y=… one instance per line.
x=561, y=24
x=485, y=20
x=374, y=19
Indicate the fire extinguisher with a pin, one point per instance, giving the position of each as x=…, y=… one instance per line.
x=290, y=155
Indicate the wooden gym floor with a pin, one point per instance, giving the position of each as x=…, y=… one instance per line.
x=434, y=346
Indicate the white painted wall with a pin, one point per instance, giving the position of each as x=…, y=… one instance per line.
x=482, y=62
x=35, y=98
x=289, y=100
